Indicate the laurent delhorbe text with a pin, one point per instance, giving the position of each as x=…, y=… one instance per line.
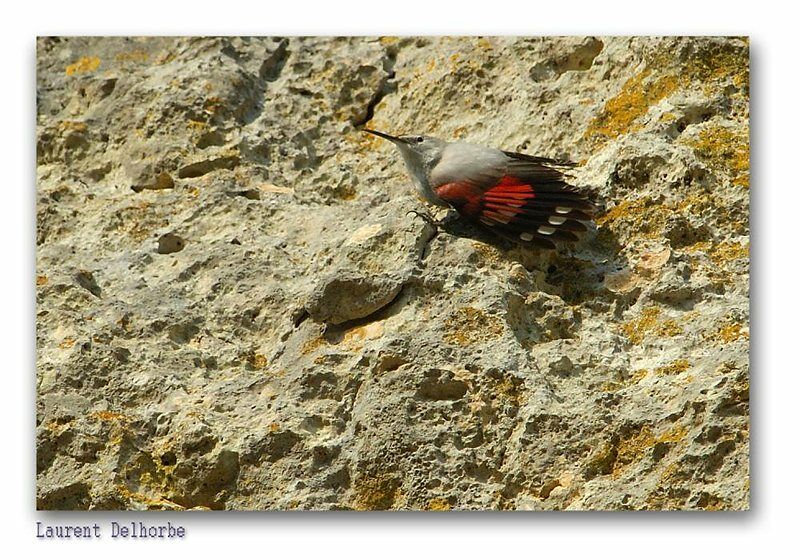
x=116, y=530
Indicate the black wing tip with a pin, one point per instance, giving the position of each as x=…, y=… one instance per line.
x=541, y=160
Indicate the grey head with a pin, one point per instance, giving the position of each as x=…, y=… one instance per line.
x=421, y=154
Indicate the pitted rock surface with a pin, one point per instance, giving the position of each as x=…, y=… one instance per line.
x=236, y=311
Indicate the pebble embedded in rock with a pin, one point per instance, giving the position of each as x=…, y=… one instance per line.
x=170, y=243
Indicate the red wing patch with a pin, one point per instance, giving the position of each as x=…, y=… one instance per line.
x=505, y=201
x=464, y=196
x=523, y=212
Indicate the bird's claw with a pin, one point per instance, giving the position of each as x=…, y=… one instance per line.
x=425, y=217
x=428, y=219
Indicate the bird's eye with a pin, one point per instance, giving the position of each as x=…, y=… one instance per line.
x=419, y=139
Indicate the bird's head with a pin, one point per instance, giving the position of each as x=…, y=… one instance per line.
x=420, y=152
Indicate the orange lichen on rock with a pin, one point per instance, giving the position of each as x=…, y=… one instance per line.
x=379, y=492
x=674, y=368
x=725, y=149
x=728, y=251
x=713, y=68
x=641, y=216
x=469, y=326
x=83, y=65
x=136, y=55
x=649, y=323
x=437, y=504
x=730, y=332
x=635, y=448
x=621, y=112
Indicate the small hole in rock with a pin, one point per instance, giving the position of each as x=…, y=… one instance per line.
x=168, y=459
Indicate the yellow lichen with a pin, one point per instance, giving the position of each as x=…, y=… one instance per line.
x=151, y=503
x=41, y=280
x=509, y=390
x=713, y=503
x=713, y=67
x=731, y=331
x=376, y=492
x=726, y=149
x=633, y=101
x=311, y=345
x=487, y=253
x=197, y=126
x=668, y=328
x=699, y=247
x=257, y=361
x=721, y=255
x=641, y=216
x=213, y=104
x=638, y=375
x=72, y=126
x=601, y=461
x=636, y=447
x=728, y=251
x=718, y=65
x=635, y=330
x=469, y=326
x=648, y=323
x=136, y=55
x=68, y=342
x=674, y=368
x=158, y=484
x=57, y=427
x=84, y=64
x=118, y=425
x=108, y=416
x=437, y=504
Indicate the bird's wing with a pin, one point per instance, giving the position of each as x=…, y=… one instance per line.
x=535, y=168
x=476, y=164
x=529, y=200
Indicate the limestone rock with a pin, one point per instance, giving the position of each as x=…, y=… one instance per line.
x=235, y=309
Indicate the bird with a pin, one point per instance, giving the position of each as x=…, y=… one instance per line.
x=519, y=197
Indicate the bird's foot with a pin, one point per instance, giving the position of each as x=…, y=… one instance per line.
x=451, y=216
x=427, y=218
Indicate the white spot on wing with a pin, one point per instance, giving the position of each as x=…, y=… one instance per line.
x=526, y=236
x=563, y=209
x=546, y=230
x=556, y=220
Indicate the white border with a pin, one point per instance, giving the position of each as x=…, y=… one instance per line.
x=775, y=370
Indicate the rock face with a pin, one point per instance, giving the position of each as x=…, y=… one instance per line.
x=236, y=312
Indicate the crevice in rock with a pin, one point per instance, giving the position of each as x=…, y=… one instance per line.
x=387, y=87
x=272, y=67
x=86, y=280
x=299, y=317
x=201, y=168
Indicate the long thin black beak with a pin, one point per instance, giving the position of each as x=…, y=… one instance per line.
x=388, y=137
